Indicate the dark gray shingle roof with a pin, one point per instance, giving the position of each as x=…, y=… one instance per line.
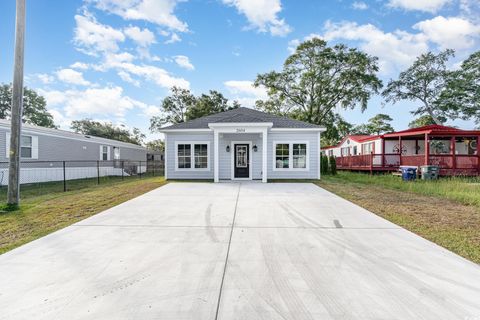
x=241, y=115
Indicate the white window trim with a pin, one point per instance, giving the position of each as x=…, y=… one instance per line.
x=34, y=146
x=232, y=160
x=192, y=148
x=101, y=152
x=290, y=156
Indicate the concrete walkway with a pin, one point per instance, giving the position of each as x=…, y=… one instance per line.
x=295, y=252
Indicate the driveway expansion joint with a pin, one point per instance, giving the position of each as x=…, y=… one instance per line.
x=228, y=253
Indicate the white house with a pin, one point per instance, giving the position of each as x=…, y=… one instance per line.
x=242, y=144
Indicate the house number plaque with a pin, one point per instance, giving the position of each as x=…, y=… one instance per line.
x=239, y=130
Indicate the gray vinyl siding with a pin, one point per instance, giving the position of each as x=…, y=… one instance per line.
x=58, y=148
x=172, y=138
x=313, y=152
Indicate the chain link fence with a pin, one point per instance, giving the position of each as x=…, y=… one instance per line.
x=43, y=177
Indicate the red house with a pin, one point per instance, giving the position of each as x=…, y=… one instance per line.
x=454, y=150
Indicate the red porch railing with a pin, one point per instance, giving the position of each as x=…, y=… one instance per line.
x=449, y=164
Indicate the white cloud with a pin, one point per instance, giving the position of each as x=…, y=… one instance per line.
x=359, y=5
x=143, y=38
x=419, y=5
x=452, y=32
x=45, y=78
x=399, y=48
x=262, y=15
x=125, y=76
x=184, y=62
x=160, y=12
x=95, y=37
x=72, y=76
x=155, y=74
x=93, y=101
x=79, y=65
x=395, y=50
x=245, y=93
x=151, y=111
x=173, y=38
x=246, y=88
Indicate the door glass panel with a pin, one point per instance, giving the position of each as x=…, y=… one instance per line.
x=241, y=156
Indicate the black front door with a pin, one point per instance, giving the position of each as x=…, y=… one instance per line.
x=241, y=158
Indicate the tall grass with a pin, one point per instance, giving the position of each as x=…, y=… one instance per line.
x=465, y=190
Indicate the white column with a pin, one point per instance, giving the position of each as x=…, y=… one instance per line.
x=215, y=157
x=264, y=155
x=165, y=163
x=319, y=151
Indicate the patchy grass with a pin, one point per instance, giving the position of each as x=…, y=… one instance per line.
x=45, y=188
x=465, y=190
x=446, y=212
x=41, y=215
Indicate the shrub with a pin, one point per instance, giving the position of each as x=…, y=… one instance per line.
x=324, y=164
x=332, y=165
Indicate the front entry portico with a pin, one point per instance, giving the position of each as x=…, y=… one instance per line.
x=241, y=150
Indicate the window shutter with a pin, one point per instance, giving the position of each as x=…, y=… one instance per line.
x=108, y=153
x=100, y=156
x=34, y=147
x=7, y=145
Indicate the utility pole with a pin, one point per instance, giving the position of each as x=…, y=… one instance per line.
x=17, y=108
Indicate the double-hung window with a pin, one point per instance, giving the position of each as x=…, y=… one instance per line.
x=192, y=155
x=26, y=147
x=282, y=156
x=201, y=156
x=299, y=155
x=104, y=153
x=291, y=156
x=184, y=154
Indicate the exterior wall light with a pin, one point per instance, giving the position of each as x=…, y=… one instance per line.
x=255, y=148
x=228, y=148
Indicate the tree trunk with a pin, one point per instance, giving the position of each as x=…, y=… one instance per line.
x=17, y=108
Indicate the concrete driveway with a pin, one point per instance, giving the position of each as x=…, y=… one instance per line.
x=295, y=252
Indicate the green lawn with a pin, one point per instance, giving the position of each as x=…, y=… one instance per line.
x=446, y=211
x=465, y=190
x=46, y=208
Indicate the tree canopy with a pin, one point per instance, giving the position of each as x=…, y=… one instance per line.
x=156, y=145
x=34, y=107
x=424, y=81
x=108, y=130
x=425, y=120
x=461, y=97
x=318, y=79
x=182, y=106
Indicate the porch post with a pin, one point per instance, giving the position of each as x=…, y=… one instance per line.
x=264, y=155
x=215, y=157
x=478, y=154
x=454, y=156
x=400, y=149
x=383, y=152
x=427, y=150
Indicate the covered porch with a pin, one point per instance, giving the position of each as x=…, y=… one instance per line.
x=454, y=151
x=240, y=151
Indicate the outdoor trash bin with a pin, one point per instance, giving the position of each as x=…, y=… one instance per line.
x=408, y=173
x=429, y=172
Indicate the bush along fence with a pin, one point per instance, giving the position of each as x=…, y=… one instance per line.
x=328, y=165
x=70, y=175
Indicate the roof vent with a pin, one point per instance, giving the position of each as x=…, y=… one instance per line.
x=88, y=137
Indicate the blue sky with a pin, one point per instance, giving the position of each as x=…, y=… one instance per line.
x=115, y=60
